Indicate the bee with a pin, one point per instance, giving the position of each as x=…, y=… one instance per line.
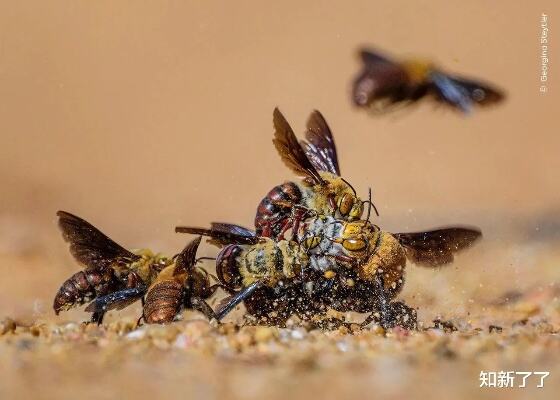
x=257, y=270
x=358, y=267
x=384, y=83
x=114, y=277
x=345, y=265
x=322, y=189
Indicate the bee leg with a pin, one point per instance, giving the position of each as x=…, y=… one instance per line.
x=141, y=317
x=97, y=317
x=202, y=306
x=116, y=300
x=384, y=315
x=390, y=314
x=236, y=299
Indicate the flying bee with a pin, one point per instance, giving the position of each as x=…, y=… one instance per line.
x=115, y=277
x=322, y=189
x=384, y=83
x=346, y=265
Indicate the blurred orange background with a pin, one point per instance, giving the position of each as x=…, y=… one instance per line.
x=142, y=116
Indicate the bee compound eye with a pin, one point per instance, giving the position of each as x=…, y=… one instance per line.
x=354, y=244
x=357, y=210
x=345, y=203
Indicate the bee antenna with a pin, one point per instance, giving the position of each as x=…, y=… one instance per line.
x=351, y=187
x=370, y=205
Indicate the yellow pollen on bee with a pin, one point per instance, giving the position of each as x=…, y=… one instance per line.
x=329, y=274
x=349, y=282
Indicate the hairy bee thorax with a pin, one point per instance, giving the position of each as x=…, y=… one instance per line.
x=417, y=70
x=387, y=258
x=147, y=267
x=335, y=198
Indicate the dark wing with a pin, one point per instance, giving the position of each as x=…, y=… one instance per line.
x=380, y=83
x=450, y=92
x=186, y=259
x=291, y=152
x=117, y=300
x=88, y=245
x=436, y=248
x=480, y=93
x=232, y=228
x=223, y=233
x=371, y=57
x=319, y=147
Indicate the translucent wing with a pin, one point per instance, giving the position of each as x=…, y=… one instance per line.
x=223, y=233
x=480, y=93
x=291, y=152
x=319, y=147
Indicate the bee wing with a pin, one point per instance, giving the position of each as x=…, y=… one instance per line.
x=319, y=147
x=376, y=84
x=90, y=246
x=223, y=233
x=186, y=259
x=117, y=300
x=436, y=248
x=372, y=57
x=232, y=228
x=451, y=92
x=478, y=92
x=291, y=152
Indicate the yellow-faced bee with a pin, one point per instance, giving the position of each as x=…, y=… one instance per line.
x=384, y=83
x=345, y=265
x=115, y=277
x=358, y=267
x=322, y=190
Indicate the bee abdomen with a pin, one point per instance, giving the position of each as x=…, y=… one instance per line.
x=227, y=268
x=163, y=302
x=276, y=206
x=82, y=287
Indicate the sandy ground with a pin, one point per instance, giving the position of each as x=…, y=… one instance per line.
x=487, y=324
x=140, y=117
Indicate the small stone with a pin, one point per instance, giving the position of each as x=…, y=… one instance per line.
x=494, y=328
x=265, y=334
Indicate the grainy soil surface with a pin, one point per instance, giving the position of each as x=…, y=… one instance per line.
x=460, y=336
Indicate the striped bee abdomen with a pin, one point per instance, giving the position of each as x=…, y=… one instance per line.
x=275, y=208
x=83, y=287
x=163, y=302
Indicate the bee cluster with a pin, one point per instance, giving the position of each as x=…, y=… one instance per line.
x=312, y=252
